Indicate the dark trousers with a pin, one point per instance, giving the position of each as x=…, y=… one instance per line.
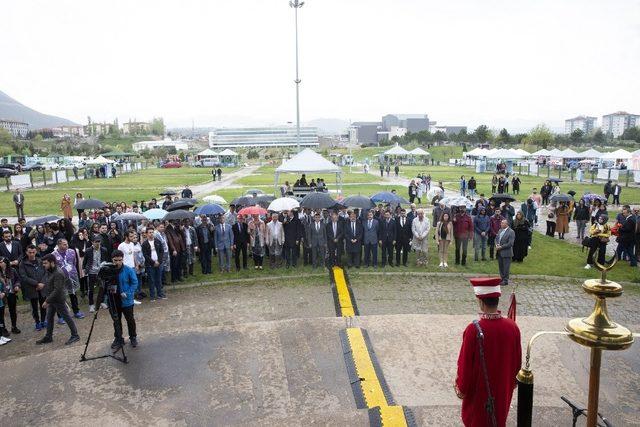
x=627, y=248
x=39, y=314
x=291, y=255
x=92, y=281
x=307, y=258
x=241, y=249
x=504, y=265
x=73, y=298
x=461, y=256
x=61, y=309
x=353, y=259
x=616, y=199
x=258, y=260
x=176, y=267
x=12, y=302
x=20, y=211
x=117, y=310
x=334, y=255
x=597, y=246
x=403, y=247
x=551, y=228
x=387, y=253
x=205, y=258
x=371, y=254
x=317, y=255
x=491, y=241
x=155, y=281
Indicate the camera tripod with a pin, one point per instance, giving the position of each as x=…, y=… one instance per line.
x=113, y=355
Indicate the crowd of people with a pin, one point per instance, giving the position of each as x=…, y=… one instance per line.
x=316, y=184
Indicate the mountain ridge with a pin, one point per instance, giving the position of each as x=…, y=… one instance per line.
x=13, y=110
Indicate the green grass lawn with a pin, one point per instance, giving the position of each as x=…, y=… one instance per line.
x=266, y=175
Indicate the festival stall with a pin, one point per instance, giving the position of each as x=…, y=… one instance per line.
x=308, y=161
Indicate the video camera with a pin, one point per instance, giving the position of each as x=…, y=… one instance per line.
x=108, y=273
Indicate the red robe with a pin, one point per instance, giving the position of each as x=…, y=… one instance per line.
x=503, y=356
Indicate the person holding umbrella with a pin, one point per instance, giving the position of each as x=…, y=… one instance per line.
x=562, y=220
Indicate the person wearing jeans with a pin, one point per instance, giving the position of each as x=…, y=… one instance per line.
x=32, y=275
x=153, y=251
x=93, y=257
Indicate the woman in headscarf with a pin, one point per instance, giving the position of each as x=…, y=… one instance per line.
x=522, y=229
x=562, y=220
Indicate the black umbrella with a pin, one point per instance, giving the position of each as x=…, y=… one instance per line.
x=388, y=197
x=168, y=193
x=180, y=204
x=336, y=206
x=42, y=220
x=571, y=193
x=244, y=201
x=317, y=201
x=90, y=204
x=554, y=179
x=264, y=200
x=503, y=197
x=561, y=198
x=179, y=215
x=361, y=202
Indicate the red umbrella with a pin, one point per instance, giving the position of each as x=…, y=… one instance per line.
x=253, y=210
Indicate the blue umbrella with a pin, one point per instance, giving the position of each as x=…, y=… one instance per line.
x=210, y=209
x=387, y=197
x=155, y=214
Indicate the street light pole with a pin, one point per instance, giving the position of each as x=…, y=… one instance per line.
x=296, y=4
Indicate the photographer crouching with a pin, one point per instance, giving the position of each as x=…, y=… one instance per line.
x=120, y=283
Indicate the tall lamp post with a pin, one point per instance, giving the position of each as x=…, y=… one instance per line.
x=296, y=4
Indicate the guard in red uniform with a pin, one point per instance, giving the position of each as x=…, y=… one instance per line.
x=489, y=360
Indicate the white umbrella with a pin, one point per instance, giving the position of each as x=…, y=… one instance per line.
x=457, y=201
x=433, y=192
x=214, y=198
x=155, y=213
x=283, y=204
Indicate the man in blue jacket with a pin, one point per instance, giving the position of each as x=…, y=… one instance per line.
x=121, y=301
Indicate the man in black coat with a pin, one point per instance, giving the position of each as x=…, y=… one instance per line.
x=627, y=236
x=403, y=237
x=205, y=242
x=240, y=241
x=93, y=257
x=335, y=236
x=387, y=238
x=32, y=278
x=186, y=192
x=10, y=249
x=293, y=234
x=353, y=233
x=153, y=256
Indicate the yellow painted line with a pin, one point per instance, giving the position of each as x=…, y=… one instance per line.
x=392, y=416
x=344, y=298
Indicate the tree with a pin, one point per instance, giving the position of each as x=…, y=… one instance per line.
x=253, y=154
x=440, y=136
x=598, y=137
x=539, y=136
x=157, y=126
x=5, y=137
x=503, y=137
x=631, y=133
x=577, y=136
x=482, y=134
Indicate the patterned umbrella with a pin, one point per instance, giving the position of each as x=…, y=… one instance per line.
x=253, y=210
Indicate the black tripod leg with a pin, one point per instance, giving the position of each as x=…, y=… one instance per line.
x=86, y=345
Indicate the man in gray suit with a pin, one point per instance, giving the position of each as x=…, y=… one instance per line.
x=504, y=248
x=223, y=238
x=317, y=237
x=370, y=240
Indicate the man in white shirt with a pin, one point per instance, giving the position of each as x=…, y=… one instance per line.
x=131, y=250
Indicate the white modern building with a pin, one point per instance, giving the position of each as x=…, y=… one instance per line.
x=167, y=143
x=616, y=123
x=15, y=128
x=585, y=123
x=284, y=136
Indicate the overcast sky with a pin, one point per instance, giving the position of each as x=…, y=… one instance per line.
x=503, y=63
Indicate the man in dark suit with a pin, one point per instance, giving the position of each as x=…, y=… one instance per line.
x=240, y=241
x=10, y=249
x=353, y=233
x=4, y=225
x=387, y=238
x=626, y=238
x=403, y=237
x=306, y=220
x=186, y=192
x=205, y=242
x=317, y=238
x=293, y=234
x=504, y=247
x=370, y=240
x=18, y=200
x=334, y=240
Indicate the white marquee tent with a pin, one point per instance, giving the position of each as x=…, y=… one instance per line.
x=100, y=160
x=591, y=154
x=569, y=154
x=543, y=152
x=504, y=154
x=308, y=161
x=617, y=155
x=419, y=152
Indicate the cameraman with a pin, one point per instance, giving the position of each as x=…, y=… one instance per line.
x=120, y=300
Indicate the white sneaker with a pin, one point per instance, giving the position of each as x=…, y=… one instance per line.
x=446, y=265
x=529, y=247
x=441, y=264
x=587, y=267
x=103, y=305
x=136, y=302
x=4, y=340
x=92, y=309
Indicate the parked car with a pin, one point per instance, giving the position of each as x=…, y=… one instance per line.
x=52, y=166
x=168, y=165
x=9, y=166
x=207, y=163
x=34, y=167
x=5, y=172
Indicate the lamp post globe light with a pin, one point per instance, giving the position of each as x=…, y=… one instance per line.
x=296, y=4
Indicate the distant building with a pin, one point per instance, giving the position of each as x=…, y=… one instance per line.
x=167, y=143
x=585, y=123
x=364, y=133
x=411, y=122
x=136, y=128
x=616, y=123
x=15, y=128
x=449, y=130
x=97, y=129
x=282, y=136
x=68, y=131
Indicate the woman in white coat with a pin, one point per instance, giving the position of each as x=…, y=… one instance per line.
x=420, y=229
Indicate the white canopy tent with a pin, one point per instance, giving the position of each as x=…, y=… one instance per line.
x=523, y=153
x=543, y=152
x=396, y=151
x=617, y=155
x=591, y=154
x=419, y=152
x=208, y=153
x=569, y=154
x=554, y=152
x=227, y=152
x=505, y=154
x=308, y=161
x=100, y=160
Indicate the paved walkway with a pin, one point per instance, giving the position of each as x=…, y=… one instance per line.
x=227, y=182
